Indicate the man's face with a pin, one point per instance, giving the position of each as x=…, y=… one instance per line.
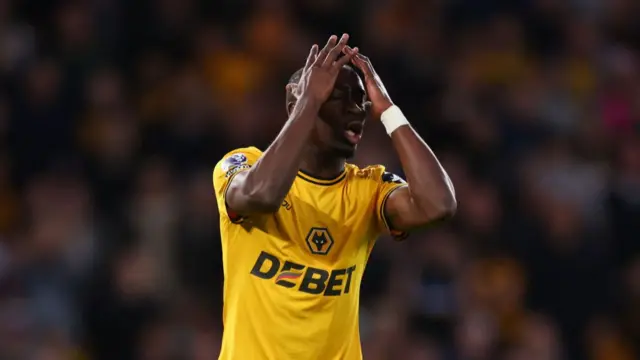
x=342, y=116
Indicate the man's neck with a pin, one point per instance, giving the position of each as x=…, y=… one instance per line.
x=322, y=164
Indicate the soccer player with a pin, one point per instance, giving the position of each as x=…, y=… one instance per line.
x=298, y=222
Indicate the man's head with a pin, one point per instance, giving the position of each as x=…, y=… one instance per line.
x=341, y=118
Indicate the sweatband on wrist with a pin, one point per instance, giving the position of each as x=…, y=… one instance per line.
x=393, y=118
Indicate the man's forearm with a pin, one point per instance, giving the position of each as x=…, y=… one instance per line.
x=430, y=186
x=271, y=177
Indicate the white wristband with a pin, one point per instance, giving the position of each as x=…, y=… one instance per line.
x=393, y=118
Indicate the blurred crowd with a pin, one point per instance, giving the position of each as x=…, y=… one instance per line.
x=113, y=114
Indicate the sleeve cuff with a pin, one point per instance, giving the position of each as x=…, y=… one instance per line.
x=396, y=234
x=234, y=217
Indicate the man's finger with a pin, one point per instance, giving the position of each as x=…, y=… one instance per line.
x=357, y=62
x=336, y=50
x=312, y=56
x=347, y=49
x=325, y=50
x=363, y=65
x=349, y=54
x=366, y=64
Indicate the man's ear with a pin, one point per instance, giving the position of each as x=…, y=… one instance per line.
x=290, y=104
x=291, y=99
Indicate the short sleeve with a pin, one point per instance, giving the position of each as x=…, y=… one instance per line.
x=226, y=169
x=388, y=183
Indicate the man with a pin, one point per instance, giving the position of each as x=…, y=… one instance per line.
x=298, y=223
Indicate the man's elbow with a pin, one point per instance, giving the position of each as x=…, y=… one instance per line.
x=448, y=204
x=448, y=208
x=441, y=211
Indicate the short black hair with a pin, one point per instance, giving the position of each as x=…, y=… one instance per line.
x=295, y=78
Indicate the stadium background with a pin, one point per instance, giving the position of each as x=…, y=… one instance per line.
x=113, y=113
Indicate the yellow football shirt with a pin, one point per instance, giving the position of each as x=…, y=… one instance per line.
x=292, y=279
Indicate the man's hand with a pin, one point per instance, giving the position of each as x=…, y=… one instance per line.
x=376, y=92
x=321, y=70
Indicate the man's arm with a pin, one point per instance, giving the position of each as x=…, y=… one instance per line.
x=263, y=188
x=430, y=195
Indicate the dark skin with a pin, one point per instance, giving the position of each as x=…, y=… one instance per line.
x=346, y=108
x=328, y=101
x=430, y=196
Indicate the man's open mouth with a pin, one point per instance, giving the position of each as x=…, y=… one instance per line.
x=353, y=131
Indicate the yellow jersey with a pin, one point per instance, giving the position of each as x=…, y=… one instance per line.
x=292, y=278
